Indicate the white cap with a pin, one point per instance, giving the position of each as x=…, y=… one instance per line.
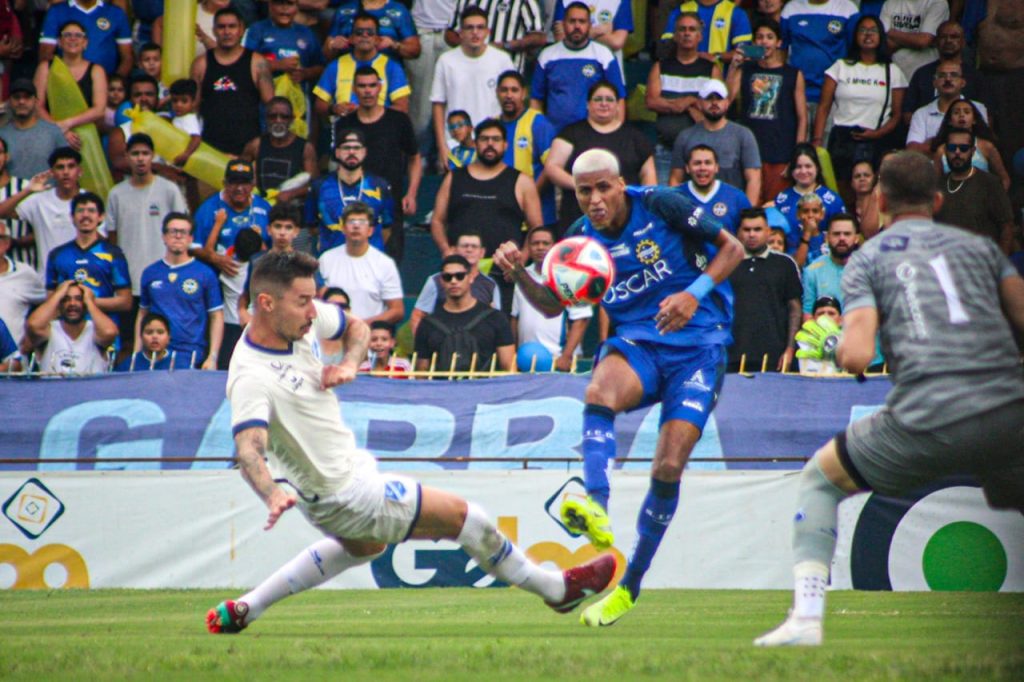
x=713, y=86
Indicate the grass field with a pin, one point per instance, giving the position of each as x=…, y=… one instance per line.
x=466, y=634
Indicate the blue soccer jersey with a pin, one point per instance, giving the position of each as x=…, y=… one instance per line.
x=101, y=267
x=665, y=247
x=724, y=202
x=334, y=195
x=256, y=215
x=529, y=141
x=817, y=35
x=395, y=20
x=8, y=348
x=141, y=362
x=335, y=84
x=619, y=13
x=106, y=27
x=726, y=26
x=786, y=201
x=275, y=42
x=563, y=76
x=185, y=294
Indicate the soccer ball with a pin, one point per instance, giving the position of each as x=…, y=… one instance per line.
x=578, y=270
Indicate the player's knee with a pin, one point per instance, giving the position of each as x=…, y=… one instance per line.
x=598, y=394
x=668, y=470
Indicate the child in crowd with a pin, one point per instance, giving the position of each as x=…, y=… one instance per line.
x=829, y=307
x=382, y=344
x=156, y=337
x=461, y=128
x=810, y=213
x=777, y=240
x=183, y=102
x=117, y=96
x=150, y=61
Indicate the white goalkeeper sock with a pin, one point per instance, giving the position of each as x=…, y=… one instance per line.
x=313, y=566
x=498, y=556
x=809, y=590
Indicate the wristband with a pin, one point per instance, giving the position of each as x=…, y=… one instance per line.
x=805, y=241
x=701, y=286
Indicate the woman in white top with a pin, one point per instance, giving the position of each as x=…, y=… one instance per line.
x=864, y=93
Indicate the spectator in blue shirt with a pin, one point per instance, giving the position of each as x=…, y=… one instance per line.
x=611, y=22
x=725, y=27
x=91, y=260
x=9, y=358
x=804, y=172
x=718, y=198
x=288, y=47
x=817, y=33
x=106, y=25
x=398, y=36
x=154, y=355
x=187, y=293
x=824, y=276
x=221, y=217
x=566, y=71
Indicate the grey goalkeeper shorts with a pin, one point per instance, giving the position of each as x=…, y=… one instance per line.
x=881, y=454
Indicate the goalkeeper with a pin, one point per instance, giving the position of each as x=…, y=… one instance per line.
x=957, y=402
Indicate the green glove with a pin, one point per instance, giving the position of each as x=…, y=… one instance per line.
x=822, y=338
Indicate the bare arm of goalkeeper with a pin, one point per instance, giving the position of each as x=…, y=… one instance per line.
x=252, y=447
x=857, y=346
x=509, y=258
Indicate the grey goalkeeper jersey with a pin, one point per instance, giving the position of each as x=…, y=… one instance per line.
x=948, y=345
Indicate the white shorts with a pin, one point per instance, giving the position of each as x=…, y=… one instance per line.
x=374, y=506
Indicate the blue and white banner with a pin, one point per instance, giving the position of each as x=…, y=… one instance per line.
x=185, y=415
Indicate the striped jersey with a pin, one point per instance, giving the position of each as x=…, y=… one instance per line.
x=508, y=20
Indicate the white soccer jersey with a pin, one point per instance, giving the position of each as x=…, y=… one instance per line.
x=308, y=444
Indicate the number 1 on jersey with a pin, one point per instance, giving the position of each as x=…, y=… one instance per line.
x=957, y=314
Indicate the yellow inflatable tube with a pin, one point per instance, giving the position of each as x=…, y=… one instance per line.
x=65, y=100
x=179, y=48
x=206, y=164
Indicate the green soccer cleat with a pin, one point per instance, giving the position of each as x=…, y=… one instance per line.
x=608, y=610
x=585, y=516
x=227, y=617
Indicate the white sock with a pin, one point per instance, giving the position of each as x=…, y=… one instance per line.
x=498, y=556
x=313, y=566
x=809, y=591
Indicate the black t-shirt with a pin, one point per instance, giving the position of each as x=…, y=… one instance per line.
x=762, y=289
x=491, y=332
x=769, y=109
x=631, y=146
x=390, y=141
x=979, y=205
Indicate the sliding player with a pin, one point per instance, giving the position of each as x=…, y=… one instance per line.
x=282, y=408
x=672, y=314
x=957, y=402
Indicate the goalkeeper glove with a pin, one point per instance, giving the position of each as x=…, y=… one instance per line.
x=821, y=337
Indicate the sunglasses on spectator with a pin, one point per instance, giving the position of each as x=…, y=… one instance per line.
x=962, y=148
x=453, y=276
x=364, y=32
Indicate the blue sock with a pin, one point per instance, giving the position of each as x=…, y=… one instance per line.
x=598, y=450
x=655, y=515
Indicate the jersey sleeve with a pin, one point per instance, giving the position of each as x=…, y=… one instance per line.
x=211, y=289
x=326, y=86
x=810, y=292
x=51, y=271
x=613, y=72
x=405, y=26
x=330, y=322
x=250, y=404
x=8, y=348
x=120, y=277
x=122, y=28
x=502, y=331
x=681, y=215
x=539, y=84
x=623, y=16
x=252, y=38
x=856, y=283
x=48, y=35
x=398, y=84
x=739, y=28
x=427, y=300
x=669, y=29
x=559, y=13
x=145, y=300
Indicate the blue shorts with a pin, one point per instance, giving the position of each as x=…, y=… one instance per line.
x=686, y=380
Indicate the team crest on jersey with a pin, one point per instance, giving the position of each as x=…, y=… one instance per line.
x=190, y=286
x=829, y=198
x=301, y=43
x=172, y=277
x=604, y=17
x=224, y=84
x=522, y=142
x=720, y=209
x=385, y=20
x=719, y=23
x=589, y=70
x=647, y=252
x=698, y=381
x=103, y=23
x=835, y=27
x=81, y=274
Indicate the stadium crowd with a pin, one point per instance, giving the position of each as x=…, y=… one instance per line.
x=348, y=123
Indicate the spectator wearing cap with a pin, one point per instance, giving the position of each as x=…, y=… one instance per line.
x=221, y=217
x=136, y=208
x=106, y=27
x=739, y=160
x=48, y=209
x=29, y=139
x=767, y=292
x=353, y=184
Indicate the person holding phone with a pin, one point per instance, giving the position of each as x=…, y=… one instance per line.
x=771, y=103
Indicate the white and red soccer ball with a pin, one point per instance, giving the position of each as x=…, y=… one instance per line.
x=578, y=270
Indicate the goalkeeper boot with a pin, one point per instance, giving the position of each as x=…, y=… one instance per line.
x=227, y=618
x=607, y=611
x=585, y=581
x=793, y=632
x=585, y=516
